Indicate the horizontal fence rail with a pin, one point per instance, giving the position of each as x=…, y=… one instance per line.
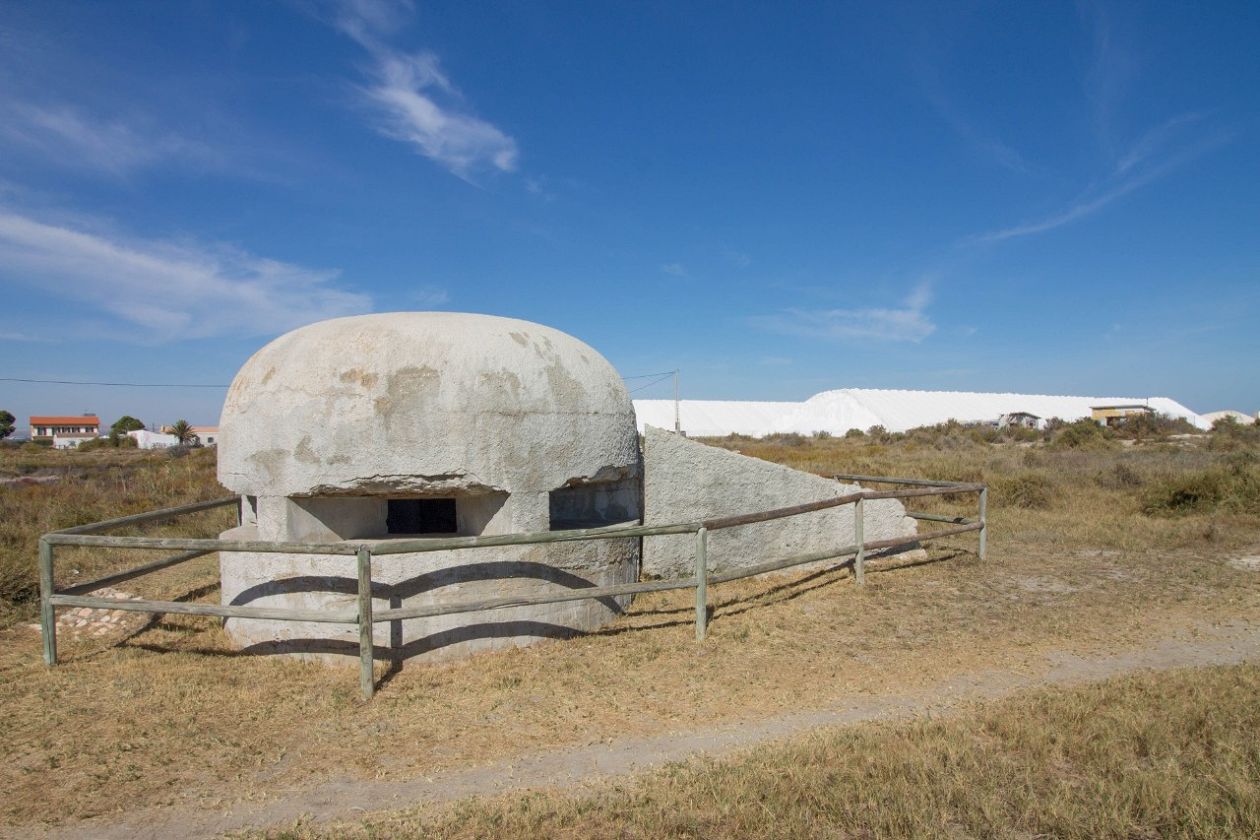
x=366, y=617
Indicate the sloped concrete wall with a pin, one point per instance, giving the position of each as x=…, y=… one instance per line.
x=687, y=481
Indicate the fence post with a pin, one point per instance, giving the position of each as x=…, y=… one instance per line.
x=367, y=680
x=47, y=614
x=702, y=583
x=984, y=521
x=859, y=538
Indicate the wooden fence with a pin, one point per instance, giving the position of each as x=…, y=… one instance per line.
x=90, y=536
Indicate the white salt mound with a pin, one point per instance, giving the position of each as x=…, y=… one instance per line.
x=839, y=411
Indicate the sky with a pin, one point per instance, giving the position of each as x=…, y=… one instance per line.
x=774, y=199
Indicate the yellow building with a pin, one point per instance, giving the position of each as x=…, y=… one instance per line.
x=1114, y=415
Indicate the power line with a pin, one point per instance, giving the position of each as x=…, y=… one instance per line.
x=653, y=382
x=110, y=384
x=647, y=375
x=663, y=375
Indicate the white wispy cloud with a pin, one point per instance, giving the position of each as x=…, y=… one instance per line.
x=414, y=100
x=15, y=335
x=72, y=137
x=430, y=296
x=986, y=144
x=1113, y=67
x=409, y=91
x=162, y=291
x=1156, y=154
x=907, y=322
x=675, y=269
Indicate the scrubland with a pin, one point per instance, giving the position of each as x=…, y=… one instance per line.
x=1098, y=543
x=1170, y=754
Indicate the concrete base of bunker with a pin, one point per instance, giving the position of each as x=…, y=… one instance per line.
x=328, y=582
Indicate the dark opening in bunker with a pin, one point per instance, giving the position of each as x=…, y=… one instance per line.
x=594, y=505
x=421, y=516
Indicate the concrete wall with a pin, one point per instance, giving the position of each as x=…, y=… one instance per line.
x=685, y=481
x=299, y=581
x=326, y=424
x=424, y=403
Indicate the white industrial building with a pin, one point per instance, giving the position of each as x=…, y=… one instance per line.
x=836, y=412
x=146, y=439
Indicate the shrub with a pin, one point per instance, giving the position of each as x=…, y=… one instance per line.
x=1228, y=435
x=110, y=441
x=1144, y=426
x=1119, y=477
x=1234, y=488
x=855, y=433
x=1026, y=489
x=1083, y=434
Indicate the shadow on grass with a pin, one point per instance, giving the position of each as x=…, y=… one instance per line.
x=397, y=653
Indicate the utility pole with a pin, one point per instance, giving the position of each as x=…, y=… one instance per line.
x=677, y=417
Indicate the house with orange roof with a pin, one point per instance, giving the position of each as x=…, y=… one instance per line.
x=65, y=431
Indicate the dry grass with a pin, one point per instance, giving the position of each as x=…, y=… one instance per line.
x=90, y=486
x=174, y=715
x=1157, y=755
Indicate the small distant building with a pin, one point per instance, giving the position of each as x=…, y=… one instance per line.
x=79, y=427
x=1021, y=419
x=205, y=435
x=1114, y=415
x=152, y=440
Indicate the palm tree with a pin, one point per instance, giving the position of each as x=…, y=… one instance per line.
x=182, y=432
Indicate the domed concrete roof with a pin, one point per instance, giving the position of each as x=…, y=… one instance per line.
x=421, y=402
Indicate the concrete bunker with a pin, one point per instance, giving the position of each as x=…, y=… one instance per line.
x=424, y=424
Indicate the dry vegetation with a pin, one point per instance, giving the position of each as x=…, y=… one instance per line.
x=1094, y=547
x=1157, y=755
x=42, y=490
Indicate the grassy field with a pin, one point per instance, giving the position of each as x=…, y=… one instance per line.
x=88, y=487
x=1096, y=545
x=1173, y=754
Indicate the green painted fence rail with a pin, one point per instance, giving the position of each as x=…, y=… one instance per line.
x=366, y=617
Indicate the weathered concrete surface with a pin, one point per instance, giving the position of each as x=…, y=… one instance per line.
x=327, y=423
x=426, y=401
x=685, y=481
x=303, y=581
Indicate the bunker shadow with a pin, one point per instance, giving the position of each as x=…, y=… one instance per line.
x=396, y=653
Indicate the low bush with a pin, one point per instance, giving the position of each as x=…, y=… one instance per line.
x=1228, y=435
x=110, y=441
x=1120, y=476
x=1146, y=426
x=1028, y=490
x=1083, y=434
x=1231, y=488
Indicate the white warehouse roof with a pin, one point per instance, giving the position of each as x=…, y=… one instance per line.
x=860, y=408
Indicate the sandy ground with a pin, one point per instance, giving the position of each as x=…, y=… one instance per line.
x=1188, y=646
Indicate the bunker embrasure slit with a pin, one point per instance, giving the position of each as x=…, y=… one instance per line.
x=421, y=516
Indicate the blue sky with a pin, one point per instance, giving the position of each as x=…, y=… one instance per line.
x=1038, y=197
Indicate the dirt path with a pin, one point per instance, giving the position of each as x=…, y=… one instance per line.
x=571, y=767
